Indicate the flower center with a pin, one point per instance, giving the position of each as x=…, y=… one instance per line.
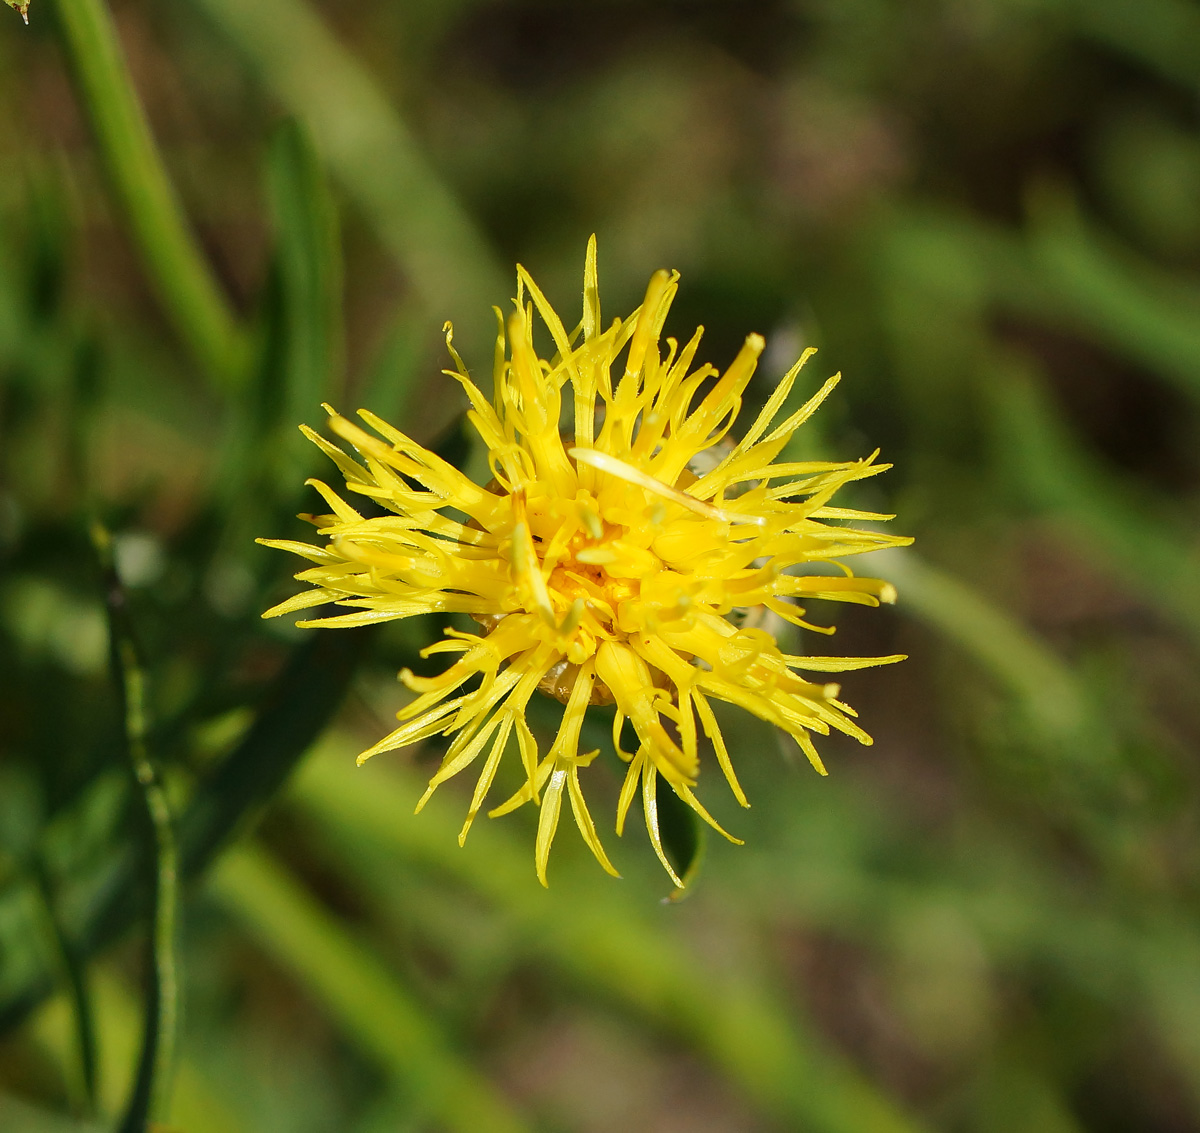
x=594, y=562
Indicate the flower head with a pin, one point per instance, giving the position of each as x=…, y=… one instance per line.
x=626, y=557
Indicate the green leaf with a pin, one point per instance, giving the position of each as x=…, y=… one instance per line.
x=21, y=6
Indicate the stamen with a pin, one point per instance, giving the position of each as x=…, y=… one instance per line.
x=591, y=520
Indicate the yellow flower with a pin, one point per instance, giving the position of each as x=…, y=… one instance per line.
x=622, y=558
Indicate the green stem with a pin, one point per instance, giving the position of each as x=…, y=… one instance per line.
x=151, y=1092
x=143, y=192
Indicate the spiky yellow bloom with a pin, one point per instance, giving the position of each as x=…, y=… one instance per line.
x=619, y=558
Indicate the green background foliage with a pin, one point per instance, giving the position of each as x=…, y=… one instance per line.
x=215, y=214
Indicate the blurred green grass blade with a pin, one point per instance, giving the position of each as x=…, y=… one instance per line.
x=300, y=348
x=372, y=153
x=309, y=267
x=400, y=362
x=1160, y=566
x=639, y=961
x=294, y=711
x=197, y=1105
x=144, y=195
x=1152, y=317
x=1064, y=275
x=17, y=1116
x=1170, y=974
x=360, y=992
x=1162, y=34
x=151, y=1094
x=1015, y=1097
x=1052, y=696
x=76, y=980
